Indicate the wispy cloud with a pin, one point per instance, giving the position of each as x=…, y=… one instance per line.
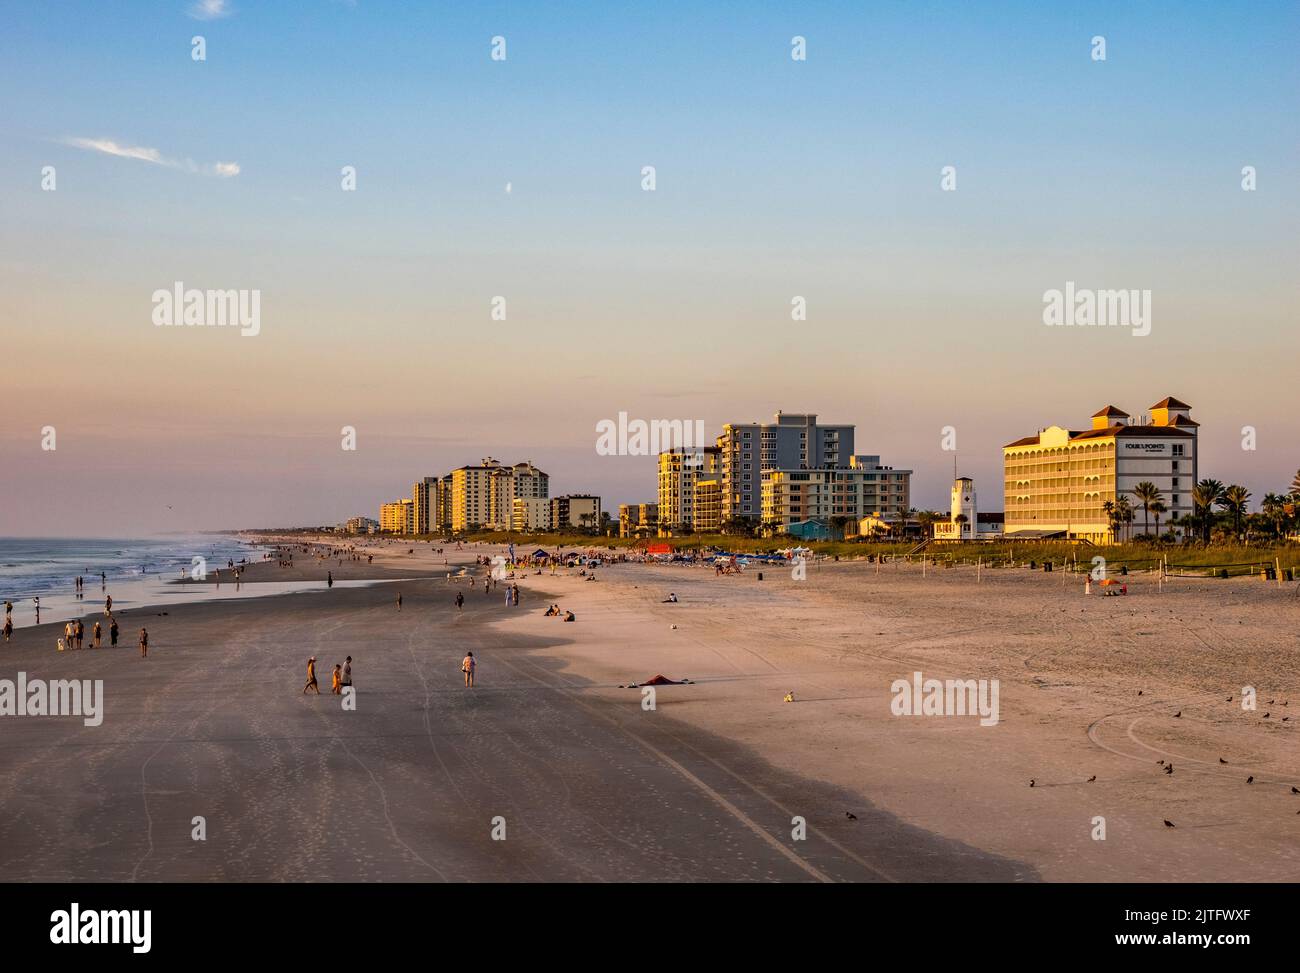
x=211, y=9
x=224, y=170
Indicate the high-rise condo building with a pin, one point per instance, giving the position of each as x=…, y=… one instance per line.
x=794, y=441
x=523, y=480
x=679, y=469
x=396, y=517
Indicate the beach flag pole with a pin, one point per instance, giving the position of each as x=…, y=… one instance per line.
x=1277, y=569
x=979, y=568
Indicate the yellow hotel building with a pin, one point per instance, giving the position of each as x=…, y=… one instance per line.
x=1057, y=483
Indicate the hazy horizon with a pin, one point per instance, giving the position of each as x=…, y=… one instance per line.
x=775, y=178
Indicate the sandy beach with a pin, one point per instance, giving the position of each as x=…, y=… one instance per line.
x=707, y=786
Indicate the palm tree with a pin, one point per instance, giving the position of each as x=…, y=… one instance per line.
x=1274, y=508
x=1147, y=493
x=1109, y=507
x=1158, y=507
x=1295, y=485
x=1123, y=511
x=1234, y=501
x=1204, y=496
x=927, y=518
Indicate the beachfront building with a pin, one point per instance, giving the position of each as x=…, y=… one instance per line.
x=839, y=498
x=424, y=505
x=1059, y=482
x=794, y=441
x=707, y=505
x=470, y=495
x=679, y=469
x=442, y=518
x=638, y=519
x=509, y=482
x=965, y=522
x=361, y=525
x=396, y=517
x=575, y=510
x=530, y=514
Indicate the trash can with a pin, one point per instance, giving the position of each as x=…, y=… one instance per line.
x=1123, y=569
x=760, y=575
x=1047, y=566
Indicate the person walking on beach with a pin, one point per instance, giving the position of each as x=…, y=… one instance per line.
x=9, y=608
x=81, y=632
x=108, y=605
x=515, y=593
x=311, y=677
x=329, y=581
x=467, y=666
x=460, y=600
x=144, y=643
x=336, y=680
x=399, y=601
x=9, y=627
x=37, y=603
x=112, y=632
x=347, y=671
x=97, y=637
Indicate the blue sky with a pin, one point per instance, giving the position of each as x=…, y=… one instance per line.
x=775, y=178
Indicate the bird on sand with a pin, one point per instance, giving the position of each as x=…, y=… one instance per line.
x=1265, y=716
x=1250, y=779
x=1295, y=790
x=1139, y=692
x=1168, y=823
x=1169, y=769
x=1222, y=761
x=850, y=815
x=1160, y=762
x=1092, y=778
x=1031, y=782
x=1178, y=714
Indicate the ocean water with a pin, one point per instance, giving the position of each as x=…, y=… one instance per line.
x=41, y=567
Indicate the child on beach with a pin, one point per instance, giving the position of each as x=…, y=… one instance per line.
x=336, y=680
x=467, y=666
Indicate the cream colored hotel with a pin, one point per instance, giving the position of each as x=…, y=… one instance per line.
x=1058, y=481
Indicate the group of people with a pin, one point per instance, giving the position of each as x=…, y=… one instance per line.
x=74, y=631
x=341, y=677
x=80, y=586
x=556, y=612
